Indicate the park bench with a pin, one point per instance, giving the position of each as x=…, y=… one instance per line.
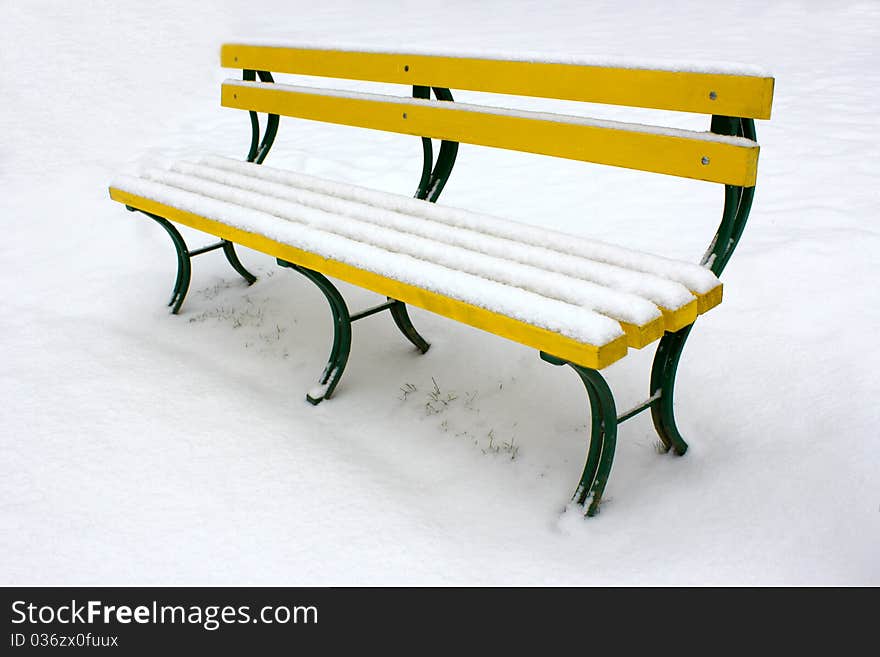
x=579, y=302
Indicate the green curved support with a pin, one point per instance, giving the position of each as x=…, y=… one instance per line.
x=401, y=318
x=435, y=175
x=260, y=148
x=737, y=200
x=737, y=205
x=232, y=257
x=603, y=436
x=341, y=334
x=445, y=158
x=663, y=385
x=427, y=150
x=251, y=76
x=184, y=269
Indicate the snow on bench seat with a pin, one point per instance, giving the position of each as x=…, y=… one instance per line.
x=541, y=247
x=588, y=291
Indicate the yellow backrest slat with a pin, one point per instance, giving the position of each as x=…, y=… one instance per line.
x=746, y=96
x=678, y=153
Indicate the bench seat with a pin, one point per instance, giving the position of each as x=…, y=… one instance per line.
x=579, y=299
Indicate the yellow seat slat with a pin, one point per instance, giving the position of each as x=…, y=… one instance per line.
x=707, y=301
x=689, y=157
x=748, y=96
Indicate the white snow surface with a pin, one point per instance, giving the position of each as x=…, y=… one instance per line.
x=142, y=448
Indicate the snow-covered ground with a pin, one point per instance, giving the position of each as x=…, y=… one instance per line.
x=139, y=447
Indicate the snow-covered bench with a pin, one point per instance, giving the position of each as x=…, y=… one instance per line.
x=578, y=302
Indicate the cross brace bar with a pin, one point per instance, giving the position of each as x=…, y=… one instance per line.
x=205, y=249
x=635, y=410
x=373, y=310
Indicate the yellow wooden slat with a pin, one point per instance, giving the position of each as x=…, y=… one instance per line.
x=592, y=356
x=714, y=161
x=687, y=314
x=641, y=336
x=744, y=96
x=710, y=299
x=678, y=319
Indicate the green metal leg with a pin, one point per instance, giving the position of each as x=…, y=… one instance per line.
x=401, y=318
x=341, y=335
x=232, y=257
x=184, y=269
x=663, y=381
x=603, y=436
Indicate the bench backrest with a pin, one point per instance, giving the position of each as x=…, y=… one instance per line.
x=730, y=158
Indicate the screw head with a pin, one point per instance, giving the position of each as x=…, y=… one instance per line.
x=404, y=115
x=713, y=95
x=406, y=68
x=705, y=160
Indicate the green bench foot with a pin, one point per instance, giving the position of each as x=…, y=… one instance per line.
x=603, y=437
x=663, y=384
